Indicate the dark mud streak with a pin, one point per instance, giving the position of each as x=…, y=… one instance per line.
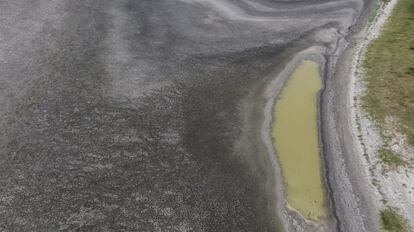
x=326, y=165
x=332, y=77
x=340, y=212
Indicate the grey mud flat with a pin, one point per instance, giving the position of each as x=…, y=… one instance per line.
x=350, y=192
x=146, y=115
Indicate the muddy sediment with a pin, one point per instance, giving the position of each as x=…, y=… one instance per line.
x=147, y=115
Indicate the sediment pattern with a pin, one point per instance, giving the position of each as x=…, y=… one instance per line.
x=143, y=115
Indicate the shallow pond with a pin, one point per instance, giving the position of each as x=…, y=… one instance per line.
x=295, y=137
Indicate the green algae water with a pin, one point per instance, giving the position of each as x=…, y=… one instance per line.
x=295, y=137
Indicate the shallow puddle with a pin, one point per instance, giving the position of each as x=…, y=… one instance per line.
x=295, y=136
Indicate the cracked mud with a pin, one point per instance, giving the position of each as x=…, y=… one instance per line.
x=145, y=115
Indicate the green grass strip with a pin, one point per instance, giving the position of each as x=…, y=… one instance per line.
x=390, y=71
x=392, y=221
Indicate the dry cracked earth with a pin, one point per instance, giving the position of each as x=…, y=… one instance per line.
x=144, y=115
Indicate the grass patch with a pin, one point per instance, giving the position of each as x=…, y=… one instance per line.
x=390, y=159
x=389, y=65
x=392, y=221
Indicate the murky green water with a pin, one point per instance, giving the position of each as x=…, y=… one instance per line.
x=295, y=136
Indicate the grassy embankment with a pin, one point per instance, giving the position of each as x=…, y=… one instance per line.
x=389, y=64
x=392, y=221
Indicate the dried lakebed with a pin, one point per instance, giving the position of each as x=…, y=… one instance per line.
x=148, y=115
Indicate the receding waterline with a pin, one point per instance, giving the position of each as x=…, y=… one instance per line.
x=295, y=137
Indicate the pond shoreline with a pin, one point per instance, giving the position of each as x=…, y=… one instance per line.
x=293, y=221
x=350, y=203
